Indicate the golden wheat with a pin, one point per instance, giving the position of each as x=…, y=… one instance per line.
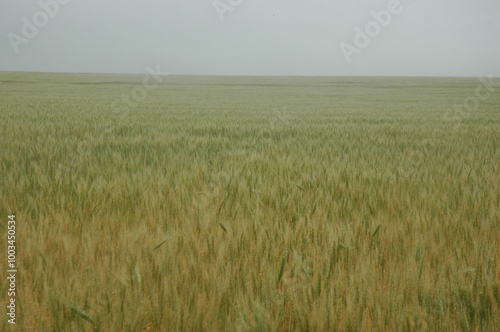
x=251, y=204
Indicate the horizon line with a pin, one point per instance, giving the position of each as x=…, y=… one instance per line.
x=232, y=75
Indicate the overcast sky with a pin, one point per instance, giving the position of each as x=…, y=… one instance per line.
x=255, y=37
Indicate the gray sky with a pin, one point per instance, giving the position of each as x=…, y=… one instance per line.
x=258, y=37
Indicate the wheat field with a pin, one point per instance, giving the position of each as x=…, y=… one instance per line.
x=251, y=203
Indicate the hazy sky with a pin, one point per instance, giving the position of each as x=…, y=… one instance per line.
x=256, y=37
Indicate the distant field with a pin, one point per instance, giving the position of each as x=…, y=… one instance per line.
x=215, y=203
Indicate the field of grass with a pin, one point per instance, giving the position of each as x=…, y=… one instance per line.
x=237, y=204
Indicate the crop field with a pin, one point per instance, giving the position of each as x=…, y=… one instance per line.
x=251, y=203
